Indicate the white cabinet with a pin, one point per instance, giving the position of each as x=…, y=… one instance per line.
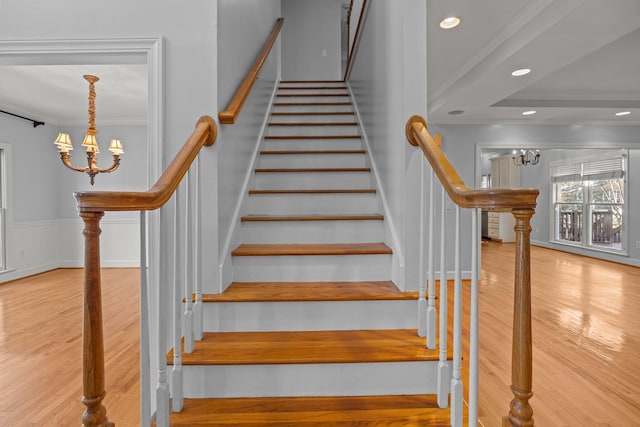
x=504, y=174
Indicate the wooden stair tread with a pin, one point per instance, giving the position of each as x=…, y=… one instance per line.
x=322, y=170
x=278, y=218
x=308, y=104
x=311, y=95
x=313, y=113
x=312, y=137
x=313, y=152
x=315, y=191
x=281, y=249
x=311, y=81
x=311, y=124
x=312, y=88
x=363, y=411
x=310, y=291
x=307, y=347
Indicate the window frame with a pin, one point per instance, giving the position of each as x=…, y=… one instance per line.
x=587, y=204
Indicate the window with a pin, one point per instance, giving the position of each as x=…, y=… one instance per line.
x=589, y=202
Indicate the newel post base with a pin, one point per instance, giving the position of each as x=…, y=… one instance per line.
x=520, y=411
x=93, y=348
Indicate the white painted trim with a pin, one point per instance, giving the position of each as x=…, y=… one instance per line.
x=397, y=260
x=579, y=250
x=225, y=268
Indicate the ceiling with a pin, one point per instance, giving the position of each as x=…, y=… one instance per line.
x=584, y=56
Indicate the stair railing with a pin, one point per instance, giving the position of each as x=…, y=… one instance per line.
x=92, y=206
x=230, y=115
x=521, y=203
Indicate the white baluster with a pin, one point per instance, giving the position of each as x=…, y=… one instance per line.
x=456, y=378
x=431, y=307
x=163, y=295
x=176, y=374
x=422, y=288
x=198, y=327
x=189, y=265
x=145, y=358
x=444, y=378
x=473, y=330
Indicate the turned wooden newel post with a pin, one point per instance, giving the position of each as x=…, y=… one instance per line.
x=93, y=349
x=521, y=413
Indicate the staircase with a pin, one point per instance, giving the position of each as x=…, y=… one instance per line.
x=312, y=331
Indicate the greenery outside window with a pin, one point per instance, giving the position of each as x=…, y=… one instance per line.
x=589, y=202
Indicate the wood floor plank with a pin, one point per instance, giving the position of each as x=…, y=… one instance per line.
x=308, y=347
x=279, y=249
x=310, y=291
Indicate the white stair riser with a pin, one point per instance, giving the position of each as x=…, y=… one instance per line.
x=312, y=180
x=309, y=204
x=307, y=108
x=310, y=118
x=309, y=90
x=312, y=98
x=303, y=84
x=308, y=268
x=330, y=379
x=268, y=161
x=313, y=130
x=312, y=144
x=309, y=316
x=368, y=231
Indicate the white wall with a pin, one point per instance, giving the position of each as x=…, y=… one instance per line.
x=388, y=81
x=460, y=146
x=251, y=21
x=310, y=28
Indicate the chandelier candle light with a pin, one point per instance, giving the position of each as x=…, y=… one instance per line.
x=63, y=141
x=525, y=157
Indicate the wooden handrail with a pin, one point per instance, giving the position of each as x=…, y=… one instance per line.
x=521, y=202
x=465, y=197
x=350, y=48
x=92, y=206
x=230, y=115
x=204, y=134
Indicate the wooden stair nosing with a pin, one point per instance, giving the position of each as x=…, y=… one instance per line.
x=309, y=347
x=312, y=95
x=312, y=124
x=289, y=137
x=310, y=249
x=310, y=291
x=309, y=152
x=311, y=81
x=312, y=88
x=315, y=191
x=282, y=218
x=313, y=113
x=317, y=411
x=304, y=170
x=311, y=104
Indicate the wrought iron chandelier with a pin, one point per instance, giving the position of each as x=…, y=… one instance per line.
x=525, y=157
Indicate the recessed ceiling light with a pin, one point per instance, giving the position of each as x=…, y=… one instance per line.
x=521, y=72
x=449, y=23
x=456, y=112
x=623, y=113
x=529, y=113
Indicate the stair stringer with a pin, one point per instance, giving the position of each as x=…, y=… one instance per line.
x=233, y=237
x=390, y=232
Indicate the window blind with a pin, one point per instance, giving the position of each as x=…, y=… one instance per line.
x=603, y=169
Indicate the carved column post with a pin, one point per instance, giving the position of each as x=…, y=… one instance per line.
x=521, y=413
x=93, y=349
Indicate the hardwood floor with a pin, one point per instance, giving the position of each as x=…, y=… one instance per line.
x=586, y=319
